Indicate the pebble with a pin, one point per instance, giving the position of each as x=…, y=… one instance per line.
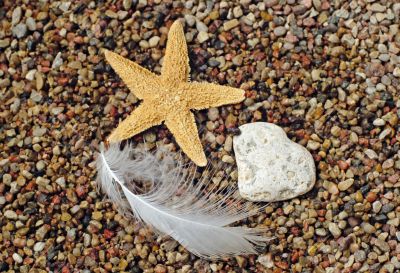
x=371, y=153
x=190, y=20
x=237, y=12
x=127, y=4
x=270, y=166
x=61, y=181
x=384, y=246
x=202, y=36
x=58, y=61
x=231, y=24
x=213, y=113
x=153, y=41
x=31, y=24
x=387, y=208
x=299, y=9
x=30, y=75
x=271, y=3
x=11, y=215
x=396, y=72
x=57, y=110
x=237, y=60
x=346, y=184
x=360, y=256
x=334, y=230
x=387, y=164
x=42, y=232
x=376, y=206
x=368, y=228
x=17, y=258
x=64, y=6
x=280, y=31
x=19, y=31
x=376, y=7
x=201, y=27
x=16, y=16
x=266, y=261
x=379, y=122
x=36, y=96
x=39, y=246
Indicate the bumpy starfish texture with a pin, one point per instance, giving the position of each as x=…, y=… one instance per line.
x=169, y=97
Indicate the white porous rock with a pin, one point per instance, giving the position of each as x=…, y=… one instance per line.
x=271, y=167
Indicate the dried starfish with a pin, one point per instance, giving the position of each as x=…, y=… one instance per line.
x=169, y=97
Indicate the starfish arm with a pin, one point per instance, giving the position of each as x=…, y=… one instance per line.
x=175, y=67
x=139, y=120
x=183, y=126
x=138, y=79
x=202, y=95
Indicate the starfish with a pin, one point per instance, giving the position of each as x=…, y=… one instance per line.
x=169, y=97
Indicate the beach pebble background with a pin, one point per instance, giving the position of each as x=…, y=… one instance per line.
x=327, y=72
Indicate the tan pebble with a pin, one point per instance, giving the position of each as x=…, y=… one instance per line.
x=160, y=269
x=65, y=217
x=231, y=24
x=39, y=81
x=228, y=159
x=358, y=196
x=344, y=185
x=97, y=215
x=332, y=188
x=122, y=264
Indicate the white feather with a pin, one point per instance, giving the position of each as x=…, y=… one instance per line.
x=177, y=204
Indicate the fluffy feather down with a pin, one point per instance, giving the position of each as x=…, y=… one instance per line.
x=177, y=203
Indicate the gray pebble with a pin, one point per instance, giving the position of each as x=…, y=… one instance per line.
x=200, y=26
x=31, y=24
x=10, y=214
x=368, y=228
x=280, y=31
x=360, y=256
x=190, y=20
x=58, y=61
x=387, y=208
x=19, y=30
x=16, y=16
x=376, y=206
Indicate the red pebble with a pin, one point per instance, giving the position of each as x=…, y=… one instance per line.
x=343, y=165
x=108, y=234
x=80, y=191
x=371, y=196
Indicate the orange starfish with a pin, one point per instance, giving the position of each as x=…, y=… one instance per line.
x=169, y=97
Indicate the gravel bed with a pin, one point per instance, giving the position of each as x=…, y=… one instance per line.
x=328, y=72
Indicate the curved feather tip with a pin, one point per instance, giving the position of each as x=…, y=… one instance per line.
x=177, y=203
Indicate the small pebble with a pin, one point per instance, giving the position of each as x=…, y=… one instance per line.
x=17, y=258
x=231, y=24
x=334, y=229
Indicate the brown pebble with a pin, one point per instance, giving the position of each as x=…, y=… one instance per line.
x=371, y=196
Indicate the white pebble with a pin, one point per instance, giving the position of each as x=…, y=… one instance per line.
x=10, y=214
x=202, y=36
x=39, y=246
x=30, y=75
x=17, y=258
x=153, y=41
x=271, y=167
x=379, y=122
